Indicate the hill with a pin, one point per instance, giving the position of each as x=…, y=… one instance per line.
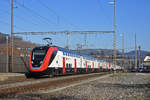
x=18, y=43
x=98, y=51
x=110, y=52
x=143, y=53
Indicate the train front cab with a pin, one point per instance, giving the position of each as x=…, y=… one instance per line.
x=39, y=60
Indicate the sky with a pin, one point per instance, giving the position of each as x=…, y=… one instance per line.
x=132, y=16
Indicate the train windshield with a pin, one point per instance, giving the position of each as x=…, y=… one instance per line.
x=38, y=56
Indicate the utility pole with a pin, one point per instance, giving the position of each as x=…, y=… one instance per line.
x=122, y=49
x=139, y=56
x=131, y=62
x=12, y=62
x=85, y=40
x=7, y=55
x=114, y=34
x=135, y=53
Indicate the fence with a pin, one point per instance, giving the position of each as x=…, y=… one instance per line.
x=20, y=63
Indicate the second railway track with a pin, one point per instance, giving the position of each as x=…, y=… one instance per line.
x=11, y=90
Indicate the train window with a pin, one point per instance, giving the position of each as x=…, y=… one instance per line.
x=84, y=64
x=89, y=66
x=70, y=65
x=67, y=65
x=39, y=54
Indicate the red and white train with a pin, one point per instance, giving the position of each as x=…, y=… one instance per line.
x=53, y=60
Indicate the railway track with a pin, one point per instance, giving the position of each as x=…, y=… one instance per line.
x=12, y=90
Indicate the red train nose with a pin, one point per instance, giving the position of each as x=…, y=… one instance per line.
x=39, y=63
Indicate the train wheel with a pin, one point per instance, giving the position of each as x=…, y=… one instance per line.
x=28, y=75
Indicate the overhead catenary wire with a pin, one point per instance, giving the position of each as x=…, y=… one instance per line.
x=42, y=19
x=61, y=17
x=25, y=20
x=8, y=24
x=38, y=15
x=4, y=23
x=45, y=19
x=50, y=10
x=56, y=14
x=4, y=11
x=19, y=17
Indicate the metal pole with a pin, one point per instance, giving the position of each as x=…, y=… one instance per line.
x=130, y=61
x=12, y=63
x=85, y=40
x=139, y=56
x=7, y=54
x=114, y=35
x=122, y=49
x=135, y=53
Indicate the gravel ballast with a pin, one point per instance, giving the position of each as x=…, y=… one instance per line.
x=124, y=86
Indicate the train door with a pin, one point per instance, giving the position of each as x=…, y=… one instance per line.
x=86, y=65
x=75, y=65
x=64, y=65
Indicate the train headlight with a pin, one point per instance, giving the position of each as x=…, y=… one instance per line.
x=41, y=62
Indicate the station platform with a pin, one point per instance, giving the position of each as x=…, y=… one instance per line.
x=5, y=76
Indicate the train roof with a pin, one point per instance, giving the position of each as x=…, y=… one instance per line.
x=73, y=53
